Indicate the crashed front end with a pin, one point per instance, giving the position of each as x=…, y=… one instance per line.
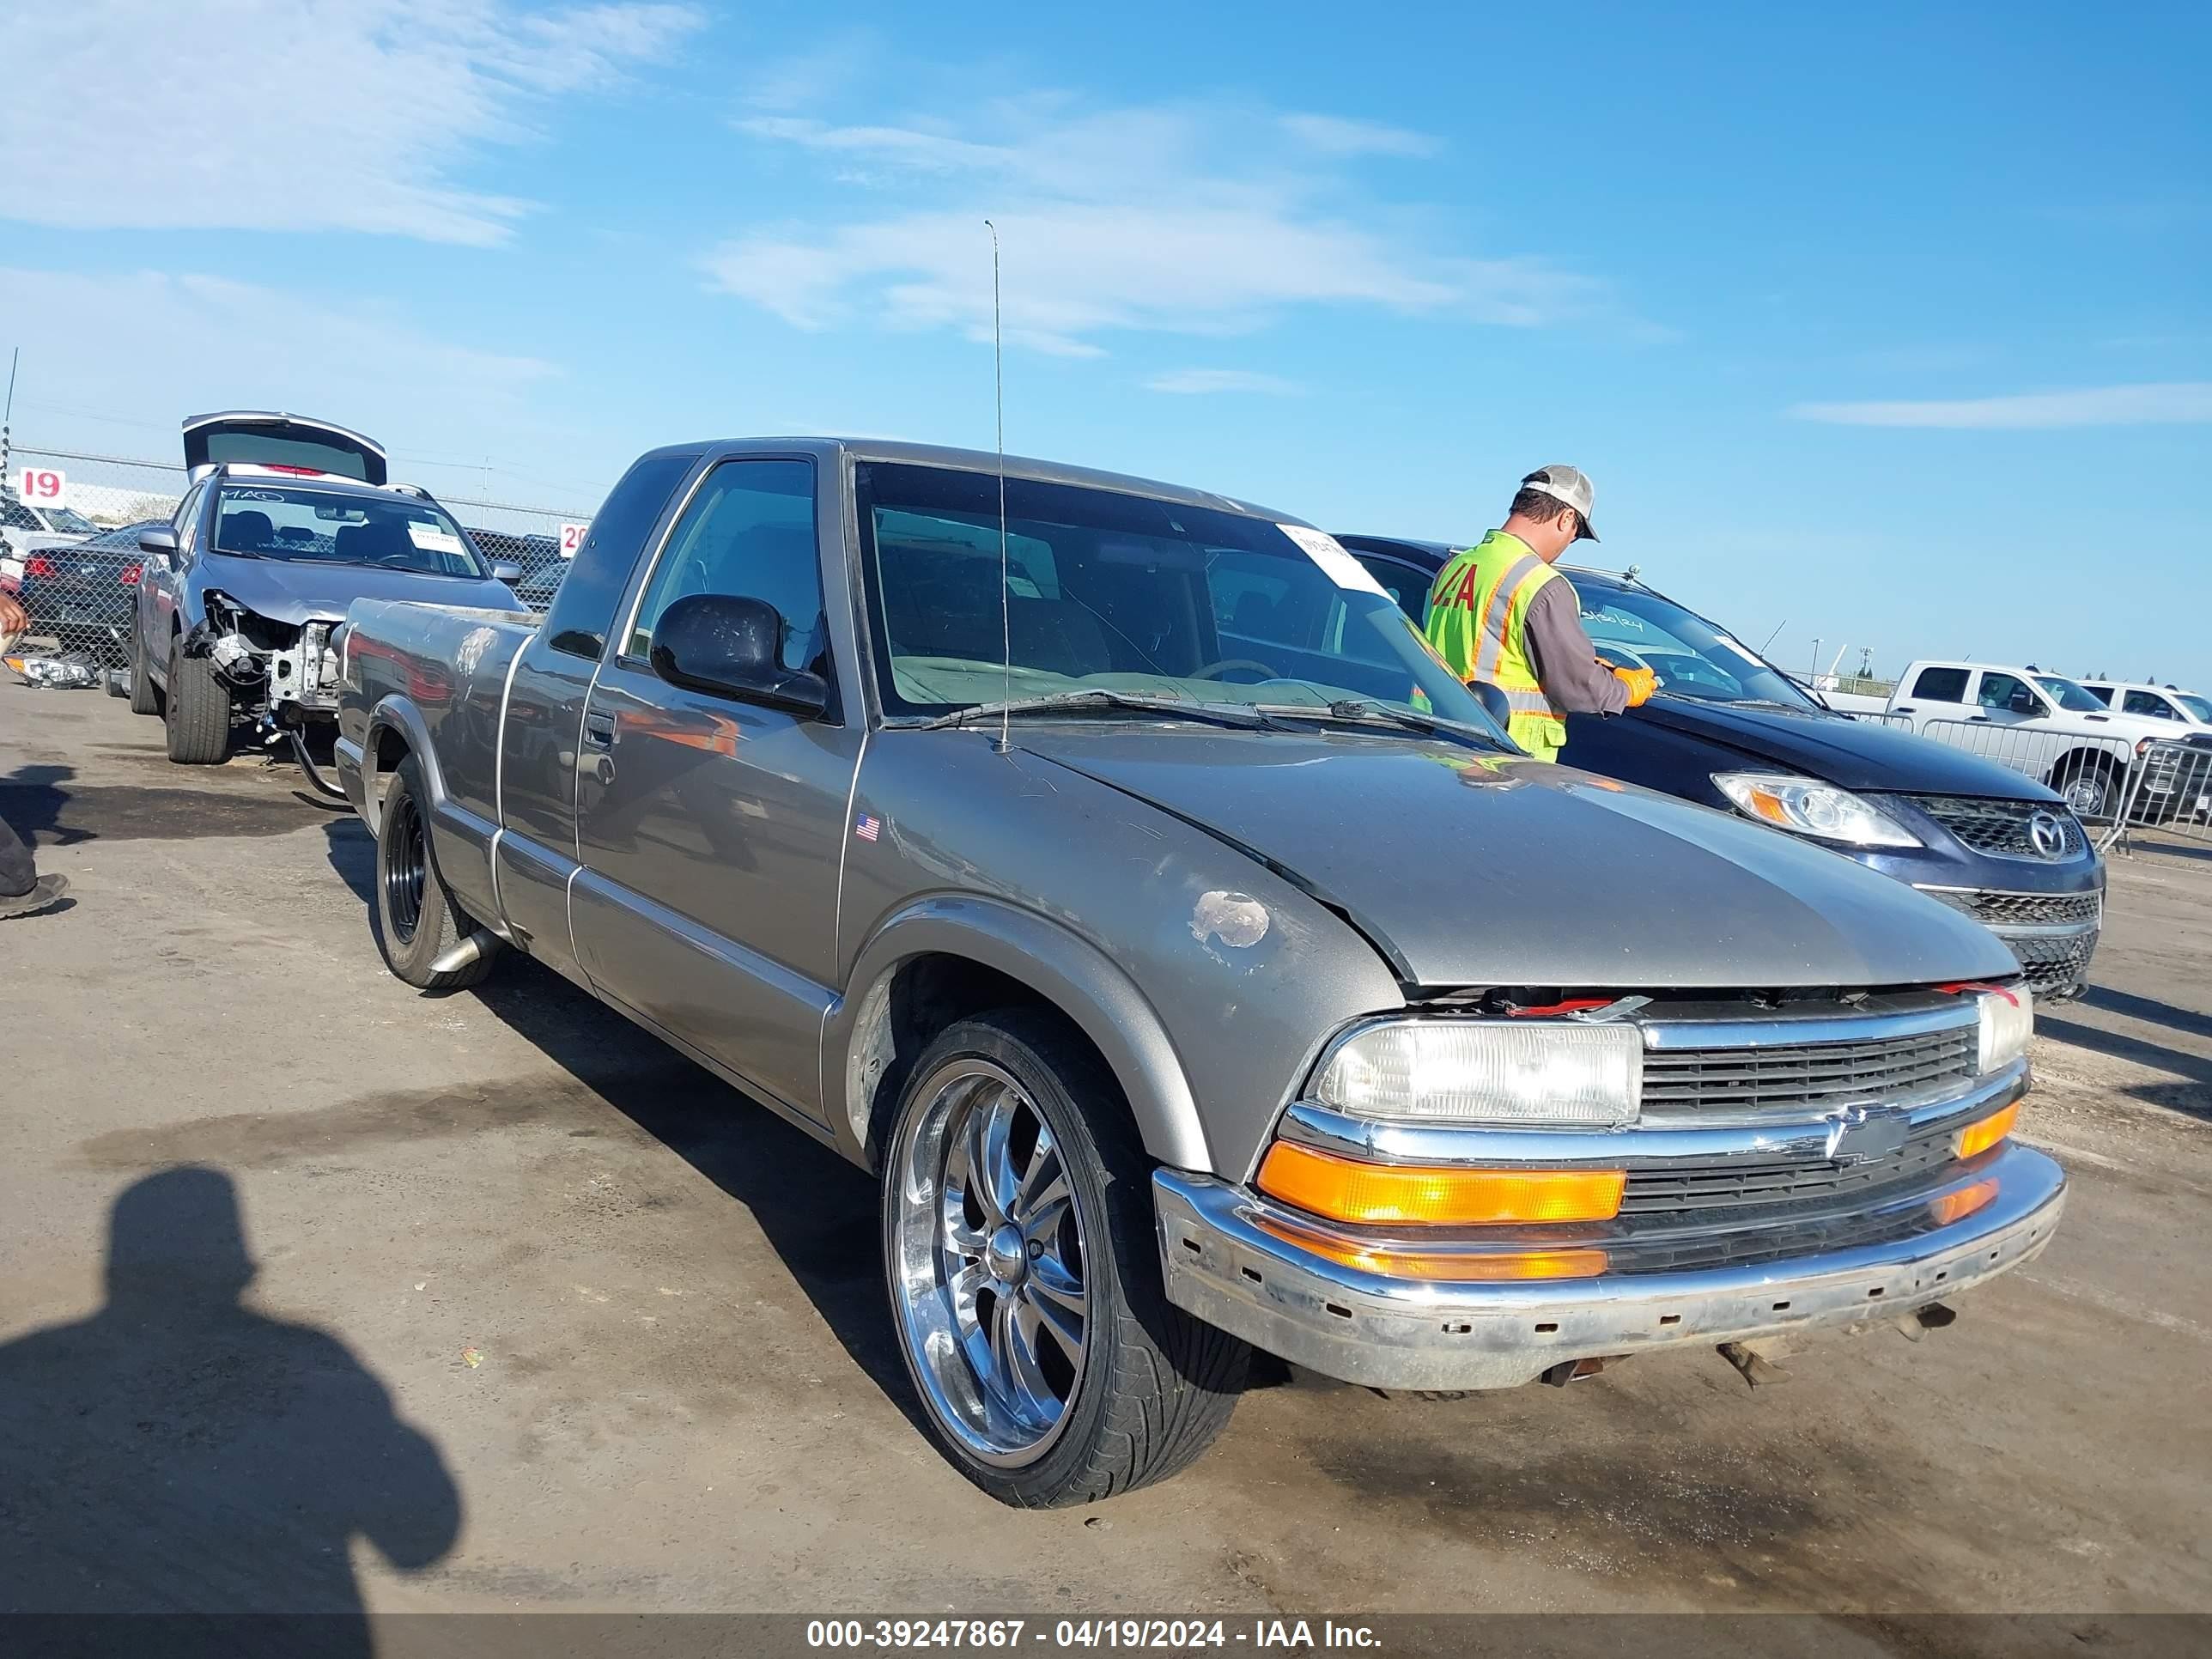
x=285, y=674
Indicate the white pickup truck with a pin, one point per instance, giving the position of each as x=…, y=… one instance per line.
x=2044, y=725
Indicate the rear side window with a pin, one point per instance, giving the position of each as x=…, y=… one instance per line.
x=1941, y=685
x=584, y=609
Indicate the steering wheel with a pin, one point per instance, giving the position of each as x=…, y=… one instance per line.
x=392, y=558
x=1214, y=671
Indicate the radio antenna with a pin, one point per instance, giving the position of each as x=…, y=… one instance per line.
x=1778, y=627
x=1005, y=598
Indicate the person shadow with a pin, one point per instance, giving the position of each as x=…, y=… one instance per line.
x=179, y=1454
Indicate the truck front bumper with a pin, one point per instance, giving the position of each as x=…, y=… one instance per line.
x=1233, y=1259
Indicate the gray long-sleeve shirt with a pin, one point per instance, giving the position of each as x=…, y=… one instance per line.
x=1566, y=662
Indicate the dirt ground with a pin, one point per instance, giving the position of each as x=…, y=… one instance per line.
x=545, y=1318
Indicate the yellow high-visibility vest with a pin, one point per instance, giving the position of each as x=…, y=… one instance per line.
x=1478, y=622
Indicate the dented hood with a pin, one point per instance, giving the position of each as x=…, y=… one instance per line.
x=1469, y=869
x=296, y=590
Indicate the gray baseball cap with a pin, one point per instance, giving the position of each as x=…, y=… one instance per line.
x=1569, y=484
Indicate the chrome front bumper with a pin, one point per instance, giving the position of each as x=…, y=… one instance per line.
x=1223, y=1264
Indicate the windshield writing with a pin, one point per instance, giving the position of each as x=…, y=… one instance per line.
x=1105, y=591
x=1688, y=656
x=306, y=525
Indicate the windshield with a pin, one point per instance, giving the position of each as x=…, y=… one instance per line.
x=2199, y=709
x=1110, y=591
x=69, y=521
x=2067, y=695
x=1634, y=628
x=302, y=525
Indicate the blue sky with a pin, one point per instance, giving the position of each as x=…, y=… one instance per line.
x=1891, y=325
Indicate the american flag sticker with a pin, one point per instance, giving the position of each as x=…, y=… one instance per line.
x=869, y=827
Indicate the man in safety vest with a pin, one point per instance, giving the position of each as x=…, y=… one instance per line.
x=1498, y=613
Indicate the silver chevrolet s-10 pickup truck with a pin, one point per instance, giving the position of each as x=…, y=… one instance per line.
x=1112, y=869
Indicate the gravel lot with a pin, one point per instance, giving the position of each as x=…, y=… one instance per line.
x=636, y=1326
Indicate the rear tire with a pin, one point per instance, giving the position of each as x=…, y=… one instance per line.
x=145, y=695
x=1023, y=1258
x=198, y=712
x=415, y=919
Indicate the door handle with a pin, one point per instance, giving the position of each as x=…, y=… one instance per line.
x=1985, y=718
x=1907, y=709
x=599, y=731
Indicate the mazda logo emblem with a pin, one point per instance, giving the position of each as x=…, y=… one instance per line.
x=2046, y=833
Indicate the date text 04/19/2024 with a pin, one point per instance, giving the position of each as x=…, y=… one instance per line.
x=1164, y=1634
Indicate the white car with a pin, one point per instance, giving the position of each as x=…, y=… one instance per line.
x=25, y=529
x=2188, y=710
x=2046, y=726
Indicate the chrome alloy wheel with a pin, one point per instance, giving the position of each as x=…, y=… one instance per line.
x=988, y=1263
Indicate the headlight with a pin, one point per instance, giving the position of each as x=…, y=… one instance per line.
x=2007, y=1022
x=1807, y=807
x=1520, y=1072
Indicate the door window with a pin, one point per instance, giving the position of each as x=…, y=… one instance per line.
x=1941, y=685
x=749, y=531
x=188, y=519
x=582, y=610
x=1998, y=692
x=1408, y=588
x=2150, y=704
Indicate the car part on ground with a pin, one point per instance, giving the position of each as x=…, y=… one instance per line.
x=998, y=841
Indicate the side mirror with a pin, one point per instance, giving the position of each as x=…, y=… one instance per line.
x=161, y=542
x=506, y=570
x=731, y=646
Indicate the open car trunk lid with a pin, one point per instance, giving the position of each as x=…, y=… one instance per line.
x=265, y=438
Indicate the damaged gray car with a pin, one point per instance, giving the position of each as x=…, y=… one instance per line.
x=242, y=599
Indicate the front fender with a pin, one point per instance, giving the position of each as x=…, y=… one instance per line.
x=1074, y=974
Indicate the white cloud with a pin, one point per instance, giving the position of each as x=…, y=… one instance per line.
x=143, y=350
x=1197, y=382
x=1155, y=218
x=1334, y=135
x=2170, y=402
x=286, y=115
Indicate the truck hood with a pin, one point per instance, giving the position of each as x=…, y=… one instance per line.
x=1468, y=869
x=1853, y=754
x=295, y=592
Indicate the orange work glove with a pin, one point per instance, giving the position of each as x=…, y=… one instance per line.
x=1641, y=683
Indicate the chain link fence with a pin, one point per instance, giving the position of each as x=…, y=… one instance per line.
x=74, y=563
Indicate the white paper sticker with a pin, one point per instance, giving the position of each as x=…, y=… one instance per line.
x=1738, y=649
x=431, y=539
x=1339, y=566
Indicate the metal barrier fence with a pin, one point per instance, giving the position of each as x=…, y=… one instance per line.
x=79, y=589
x=2169, y=790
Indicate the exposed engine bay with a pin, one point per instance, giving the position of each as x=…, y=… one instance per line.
x=284, y=673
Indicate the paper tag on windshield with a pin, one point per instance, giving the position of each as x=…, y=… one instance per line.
x=1725, y=639
x=431, y=539
x=1339, y=566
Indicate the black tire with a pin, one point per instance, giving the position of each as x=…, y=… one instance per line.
x=197, y=712
x=2092, y=789
x=415, y=919
x=1153, y=1385
x=145, y=695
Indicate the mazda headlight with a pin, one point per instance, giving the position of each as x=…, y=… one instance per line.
x=1521, y=1073
x=1805, y=806
x=2007, y=1022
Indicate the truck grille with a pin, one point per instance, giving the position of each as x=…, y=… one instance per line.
x=2023, y=909
x=1800, y=1081
x=1745, y=1182
x=1999, y=826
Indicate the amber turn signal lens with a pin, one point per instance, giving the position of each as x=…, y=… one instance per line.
x=1345, y=1189
x=1980, y=1137
x=1957, y=1207
x=1463, y=1267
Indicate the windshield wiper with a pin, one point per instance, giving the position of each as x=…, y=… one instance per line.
x=1102, y=700
x=1366, y=711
